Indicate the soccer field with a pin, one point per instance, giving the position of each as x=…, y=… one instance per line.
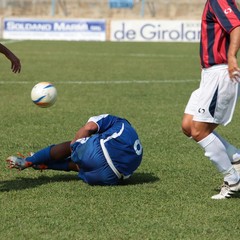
x=169, y=196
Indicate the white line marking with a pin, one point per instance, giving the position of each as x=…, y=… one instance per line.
x=11, y=41
x=137, y=55
x=106, y=82
x=103, y=55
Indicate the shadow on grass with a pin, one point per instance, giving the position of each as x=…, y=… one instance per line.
x=21, y=183
x=140, y=178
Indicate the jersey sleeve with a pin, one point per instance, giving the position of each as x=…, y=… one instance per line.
x=227, y=13
x=104, y=121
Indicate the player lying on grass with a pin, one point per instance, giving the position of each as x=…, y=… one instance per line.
x=104, y=151
x=16, y=65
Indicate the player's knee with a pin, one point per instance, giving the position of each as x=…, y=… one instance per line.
x=186, y=129
x=187, y=125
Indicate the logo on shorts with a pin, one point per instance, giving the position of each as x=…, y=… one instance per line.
x=138, y=147
x=201, y=110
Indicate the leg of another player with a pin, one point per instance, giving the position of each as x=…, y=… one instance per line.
x=200, y=130
x=187, y=124
x=59, y=159
x=215, y=150
x=54, y=157
x=60, y=151
x=63, y=165
x=232, y=152
x=50, y=154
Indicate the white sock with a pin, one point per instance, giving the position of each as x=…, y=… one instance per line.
x=232, y=152
x=216, y=152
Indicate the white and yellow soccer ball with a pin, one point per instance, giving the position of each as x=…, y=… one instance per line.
x=44, y=94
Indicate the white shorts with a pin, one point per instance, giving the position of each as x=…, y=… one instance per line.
x=215, y=99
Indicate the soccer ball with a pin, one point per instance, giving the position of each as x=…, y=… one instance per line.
x=44, y=94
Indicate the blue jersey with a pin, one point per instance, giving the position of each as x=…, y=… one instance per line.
x=116, y=145
x=121, y=142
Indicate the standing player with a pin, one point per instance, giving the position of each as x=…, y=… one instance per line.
x=104, y=151
x=213, y=103
x=15, y=62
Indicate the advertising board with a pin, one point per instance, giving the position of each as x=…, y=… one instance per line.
x=155, y=31
x=38, y=29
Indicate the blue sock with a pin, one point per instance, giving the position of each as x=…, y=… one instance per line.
x=42, y=156
x=61, y=166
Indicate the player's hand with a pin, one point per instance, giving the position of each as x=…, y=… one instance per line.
x=235, y=75
x=16, y=64
x=233, y=69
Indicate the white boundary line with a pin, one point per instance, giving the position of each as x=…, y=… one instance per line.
x=135, y=55
x=6, y=42
x=106, y=82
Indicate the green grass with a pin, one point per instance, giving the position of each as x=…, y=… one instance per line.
x=169, y=195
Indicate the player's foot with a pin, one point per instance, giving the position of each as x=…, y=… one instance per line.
x=227, y=190
x=40, y=167
x=18, y=162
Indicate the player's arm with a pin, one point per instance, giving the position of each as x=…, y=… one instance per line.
x=86, y=131
x=233, y=68
x=16, y=64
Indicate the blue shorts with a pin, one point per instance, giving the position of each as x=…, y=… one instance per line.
x=94, y=168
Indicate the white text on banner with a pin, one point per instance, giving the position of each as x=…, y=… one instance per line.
x=38, y=29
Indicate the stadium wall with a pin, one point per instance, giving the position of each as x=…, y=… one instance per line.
x=94, y=20
x=142, y=9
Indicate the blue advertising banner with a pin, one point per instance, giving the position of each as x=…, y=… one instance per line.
x=18, y=28
x=121, y=3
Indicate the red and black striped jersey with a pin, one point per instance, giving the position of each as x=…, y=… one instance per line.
x=219, y=18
